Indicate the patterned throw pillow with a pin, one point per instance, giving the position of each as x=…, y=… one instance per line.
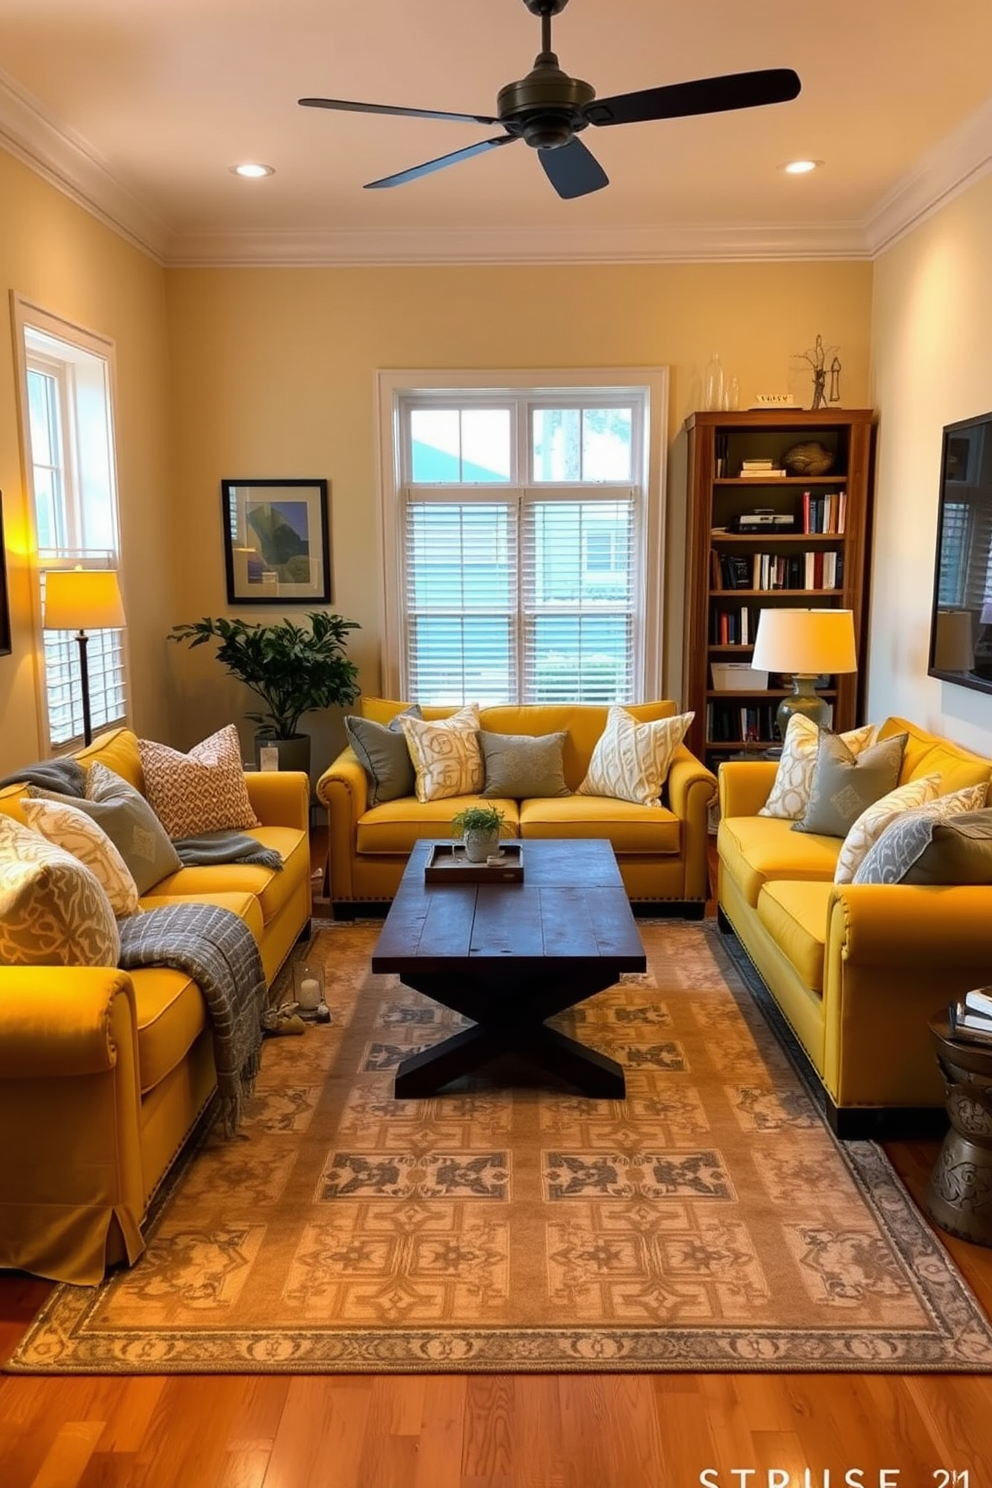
x=384, y=755
x=202, y=791
x=960, y=852
x=446, y=754
x=789, y=795
x=905, y=839
x=53, y=911
x=128, y=821
x=523, y=767
x=631, y=760
x=845, y=784
x=873, y=821
x=79, y=834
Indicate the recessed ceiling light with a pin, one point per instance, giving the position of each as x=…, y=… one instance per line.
x=800, y=167
x=253, y=171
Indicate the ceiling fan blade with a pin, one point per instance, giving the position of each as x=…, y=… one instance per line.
x=573, y=170
x=388, y=108
x=714, y=95
x=416, y=171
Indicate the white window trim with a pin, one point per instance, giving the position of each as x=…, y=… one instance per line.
x=392, y=385
x=26, y=313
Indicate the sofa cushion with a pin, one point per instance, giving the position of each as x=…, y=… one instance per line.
x=910, y=851
x=522, y=765
x=875, y=818
x=845, y=783
x=201, y=791
x=633, y=830
x=445, y=753
x=79, y=834
x=396, y=826
x=929, y=754
x=789, y=795
x=118, y=750
x=384, y=755
x=631, y=760
x=53, y=911
x=273, y=887
x=795, y=916
x=756, y=850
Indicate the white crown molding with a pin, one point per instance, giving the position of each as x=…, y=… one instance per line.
x=952, y=165
x=678, y=244
x=53, y=151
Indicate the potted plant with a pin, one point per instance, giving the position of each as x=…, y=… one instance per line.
x=293, y=670
x=479, y=827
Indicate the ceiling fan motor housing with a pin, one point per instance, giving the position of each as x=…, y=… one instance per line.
x=546, y=106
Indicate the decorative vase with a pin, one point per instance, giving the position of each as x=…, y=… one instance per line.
x=481, y=844
x=713, y=383
x=294, y=753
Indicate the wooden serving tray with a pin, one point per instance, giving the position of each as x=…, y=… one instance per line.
x=447, y=863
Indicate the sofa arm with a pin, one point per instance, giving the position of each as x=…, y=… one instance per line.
x=280, y=798
x=61, y=1021
x=691, y=790
x=745, y=786
x=343, y=789
x=915, y=926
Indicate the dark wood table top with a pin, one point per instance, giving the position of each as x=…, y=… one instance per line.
x=571, y=908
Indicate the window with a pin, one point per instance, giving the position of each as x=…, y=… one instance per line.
x=69, y=456
x=517, y=523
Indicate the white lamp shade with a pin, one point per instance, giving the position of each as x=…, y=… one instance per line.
x=83, y=599
x=805, y=642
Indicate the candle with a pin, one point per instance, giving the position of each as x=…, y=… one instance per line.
x=309, y=992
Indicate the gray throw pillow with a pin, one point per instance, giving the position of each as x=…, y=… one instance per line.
x=384, y=755
x=128, y=821
x=907, y=839
x=845, y=784
x=523, y=767
x=960, y=852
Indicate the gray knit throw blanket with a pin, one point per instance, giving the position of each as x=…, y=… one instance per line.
x=218, y=951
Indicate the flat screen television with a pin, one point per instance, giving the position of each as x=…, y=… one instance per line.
x=961, y=623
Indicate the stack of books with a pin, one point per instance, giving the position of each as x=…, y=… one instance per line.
x=760, y=469
x=971, y=1019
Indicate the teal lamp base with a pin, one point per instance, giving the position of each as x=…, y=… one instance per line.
x=802, y=699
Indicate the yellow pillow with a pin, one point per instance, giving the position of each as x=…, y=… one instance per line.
x=790, y=792
x=53, y=911
x=80, y=835
x=631, y=760
x=446, y=754
x=202, y=791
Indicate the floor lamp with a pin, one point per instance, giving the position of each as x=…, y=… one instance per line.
x=83, y=599
x=805, y=643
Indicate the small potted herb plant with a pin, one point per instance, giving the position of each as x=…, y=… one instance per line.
x=479, y=827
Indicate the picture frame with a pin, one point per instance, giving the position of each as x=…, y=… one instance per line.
x=276, y=541
x=6, y=645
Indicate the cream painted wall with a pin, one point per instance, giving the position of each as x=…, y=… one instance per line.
x=932, y=364
x=60, y=257
x=274, y=371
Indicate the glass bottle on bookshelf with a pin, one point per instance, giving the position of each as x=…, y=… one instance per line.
x=713, y=383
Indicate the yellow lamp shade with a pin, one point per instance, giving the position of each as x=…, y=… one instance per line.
x=83, y=599
x=805, y=641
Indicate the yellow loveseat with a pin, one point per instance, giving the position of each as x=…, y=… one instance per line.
x=858, y=970
x=104, y=1073
x=661, y=850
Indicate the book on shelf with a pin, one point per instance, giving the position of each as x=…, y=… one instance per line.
x=968, y=1026
x=766, y=472
x=979, y=1000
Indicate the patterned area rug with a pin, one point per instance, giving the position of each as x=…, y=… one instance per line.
x=708, y=1222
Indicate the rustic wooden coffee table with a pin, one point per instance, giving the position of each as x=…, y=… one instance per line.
x=510, y=955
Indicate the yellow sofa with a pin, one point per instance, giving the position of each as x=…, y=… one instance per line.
x=104, y=1073
x=661, y=850
x=858, y=970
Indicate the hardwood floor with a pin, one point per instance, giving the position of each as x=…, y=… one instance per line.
x=513, y=1431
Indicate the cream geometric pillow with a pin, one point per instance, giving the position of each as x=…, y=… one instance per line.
x=631, y=760
x=53, y=911
x=789, y=795
x=202, y=791
x=875, y=818
x=446, y=754
x=80, y=835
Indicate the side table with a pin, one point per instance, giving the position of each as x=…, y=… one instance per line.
x=959, y=1195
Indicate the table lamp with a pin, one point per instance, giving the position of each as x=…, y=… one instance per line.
x=805, y=643
x=83, y=599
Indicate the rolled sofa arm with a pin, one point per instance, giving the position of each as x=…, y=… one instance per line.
x=62, y=1021
x=280, y=798
x=343, y=789
x=914, y=926
x=745, y=786
x=691, y=788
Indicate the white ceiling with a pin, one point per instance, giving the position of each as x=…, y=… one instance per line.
x=139, y=108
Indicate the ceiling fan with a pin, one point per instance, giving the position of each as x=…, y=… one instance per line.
x=547, y=108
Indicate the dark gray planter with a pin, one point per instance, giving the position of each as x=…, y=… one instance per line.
x=294, y=753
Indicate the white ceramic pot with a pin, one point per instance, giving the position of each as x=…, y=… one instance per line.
x=480, y=844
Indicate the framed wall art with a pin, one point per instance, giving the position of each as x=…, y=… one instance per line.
x=5, y=642
x=276, y=541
